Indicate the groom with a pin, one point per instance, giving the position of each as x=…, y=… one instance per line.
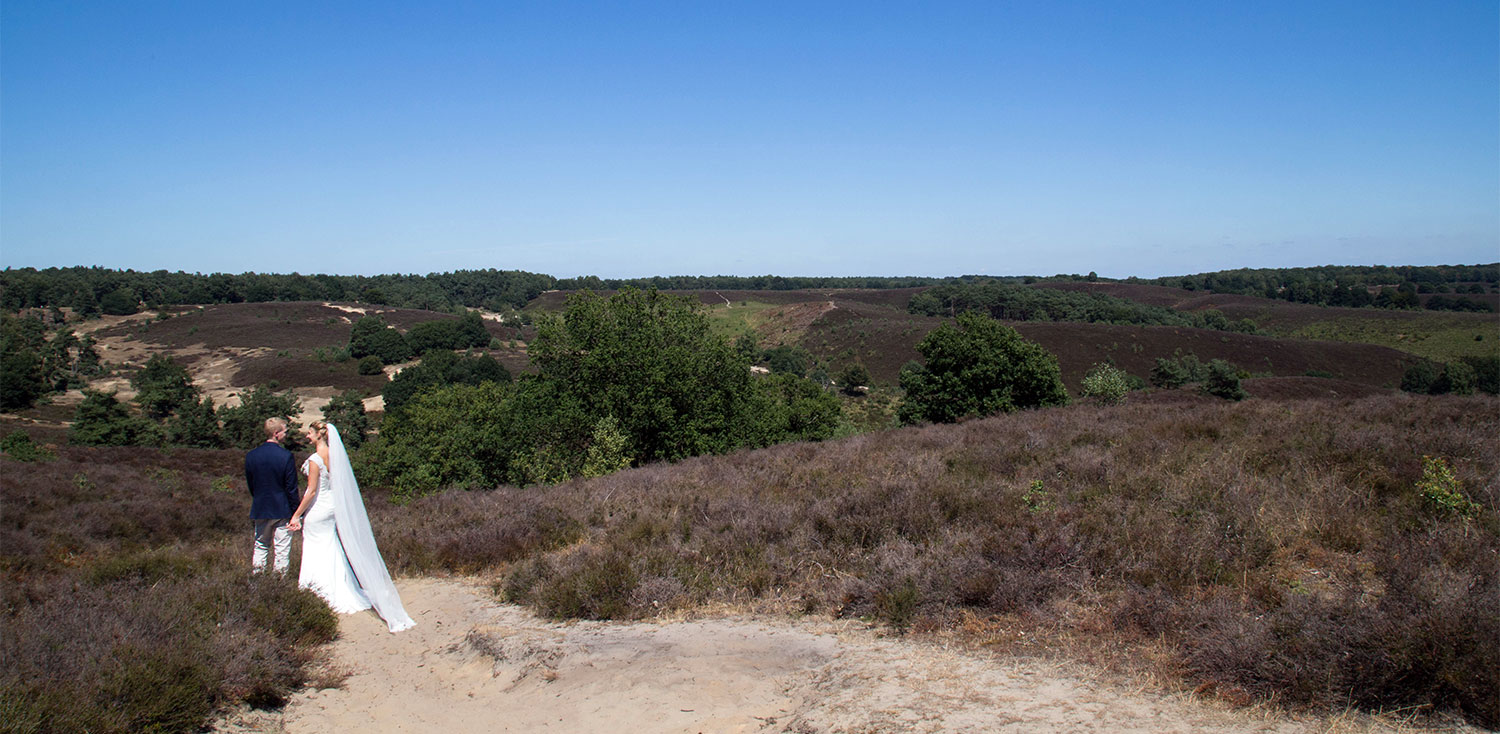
x=271, y=474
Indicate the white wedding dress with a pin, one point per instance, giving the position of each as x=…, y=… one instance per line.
x=325, y=568
x=340, y=561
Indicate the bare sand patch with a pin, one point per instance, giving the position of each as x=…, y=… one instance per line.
x=472, y=664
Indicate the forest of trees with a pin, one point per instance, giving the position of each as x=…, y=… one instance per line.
x=1350, y=285
x=93, y=290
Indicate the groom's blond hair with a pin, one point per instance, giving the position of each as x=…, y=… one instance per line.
x=273, y=425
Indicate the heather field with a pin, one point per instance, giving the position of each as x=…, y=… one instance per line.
x=1312, y=553
x=872, y=327
x=1437, y=335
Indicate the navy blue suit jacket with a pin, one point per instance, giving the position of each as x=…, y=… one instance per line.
x=271, y=473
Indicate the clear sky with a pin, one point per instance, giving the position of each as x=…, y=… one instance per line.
x=794, y=138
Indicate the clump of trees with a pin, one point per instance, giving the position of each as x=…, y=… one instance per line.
x=440, y=367
x=978, y=366
x=34, y=363
x=623, y=380
x=1012, y=302
x=1463, y=376
x=1217, y=377
x=1378, y=286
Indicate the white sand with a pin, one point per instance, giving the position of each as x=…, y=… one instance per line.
x=473, y=665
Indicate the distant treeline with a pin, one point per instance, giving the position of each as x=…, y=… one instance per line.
x=1025, y=303
x=762, y=282
x=1350, y=285
x=103, y=290
x=95, y=290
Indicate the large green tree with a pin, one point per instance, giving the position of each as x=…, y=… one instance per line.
x=631, y=379
x=978, y=366
x=651, y=360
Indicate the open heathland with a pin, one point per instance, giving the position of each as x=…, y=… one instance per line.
x=1285, y=550
x=1438, y=335
x=1305, y=552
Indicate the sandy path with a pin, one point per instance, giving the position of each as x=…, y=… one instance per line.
x=474, y=665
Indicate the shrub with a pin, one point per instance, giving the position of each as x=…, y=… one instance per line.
x=853, y=377
x=651, y=360
x=370, y=365
x=196, y=424
x=102, y=420
x=1442, y=490
x=1223, y=381
x=588, y=582
x=162, y=387
x=606, y=452
x=785, y=359
x=370, y=335
x=978, y=367
x=1420, y=377
x=1458, y=378
x=22, y=373
x=19, y=446
x=244, y=424
x=347, y=411
x=1106, y=383
x=440, y=367
x=1486, y=372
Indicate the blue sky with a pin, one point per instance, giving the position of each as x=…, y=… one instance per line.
x=806, y=138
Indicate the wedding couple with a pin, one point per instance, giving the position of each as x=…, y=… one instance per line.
x=339, y=559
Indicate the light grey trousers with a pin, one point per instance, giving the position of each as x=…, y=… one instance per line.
x=272, y=534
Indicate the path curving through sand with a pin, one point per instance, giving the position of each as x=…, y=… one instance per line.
x=474, y=665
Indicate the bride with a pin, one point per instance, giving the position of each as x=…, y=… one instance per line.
x=339, y=559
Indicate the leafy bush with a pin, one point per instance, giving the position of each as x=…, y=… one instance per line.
x=1459, y=377
x=642, y=366
x=1223, y=381
x=792, y=360
x=440, y=367
x=347, y=411
x=1486, y=373
x=196, y=424
x=370, y=335
x=102, y=420
x=1106, y=383
x=244, y=424
x=978, y=367
x=652, y=361
x=19, y=446
x=464, y=333
x=1443, y=491
x=370, y=365
x=853, y=377
x=162, y=386
x=1177, y=371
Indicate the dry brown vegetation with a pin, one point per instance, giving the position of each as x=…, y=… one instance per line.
x=1266, y=549
x=127, y=602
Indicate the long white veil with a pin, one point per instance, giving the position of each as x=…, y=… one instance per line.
x=358, y=541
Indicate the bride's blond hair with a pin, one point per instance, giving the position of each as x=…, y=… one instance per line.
x=320, y=428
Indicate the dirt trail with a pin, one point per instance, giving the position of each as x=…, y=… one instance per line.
x=474, y=665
